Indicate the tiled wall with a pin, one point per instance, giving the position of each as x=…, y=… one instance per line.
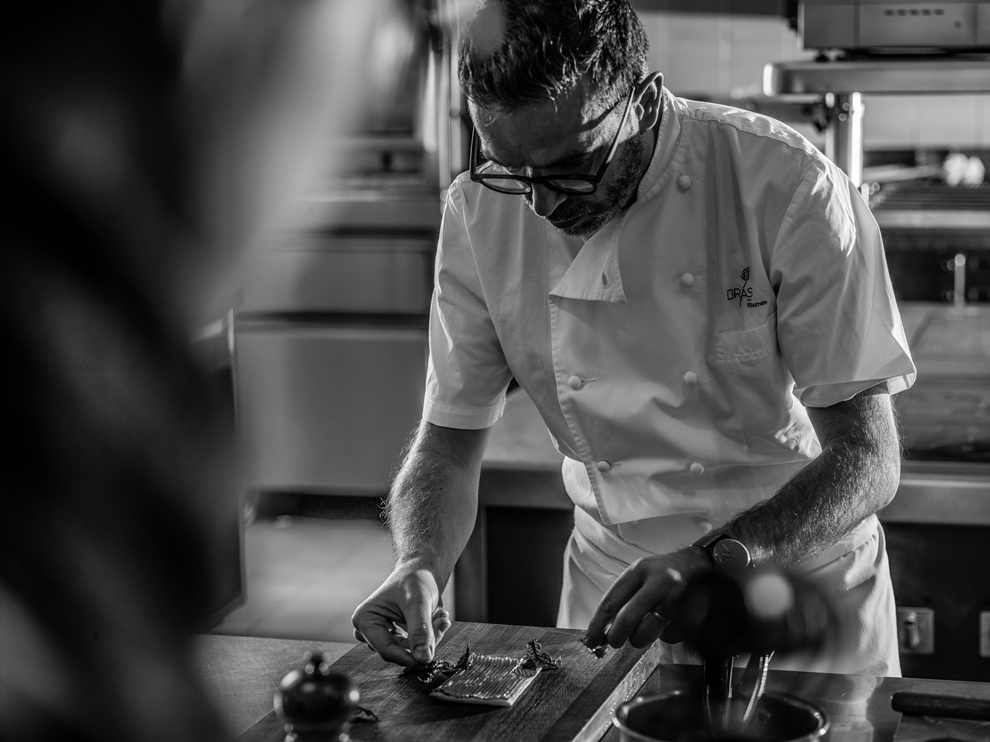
x=725, y=54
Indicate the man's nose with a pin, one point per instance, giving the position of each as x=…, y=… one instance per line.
x=544, y=200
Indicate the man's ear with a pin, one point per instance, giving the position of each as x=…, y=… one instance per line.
x=648, y=101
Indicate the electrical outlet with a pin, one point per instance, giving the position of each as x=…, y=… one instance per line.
x=916, y=630
x=984, y=633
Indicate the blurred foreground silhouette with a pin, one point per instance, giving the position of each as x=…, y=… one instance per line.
x=144, y=145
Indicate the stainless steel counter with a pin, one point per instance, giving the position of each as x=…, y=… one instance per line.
x=879, y=75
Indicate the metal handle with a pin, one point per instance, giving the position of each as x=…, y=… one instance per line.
x=930, y=704
x=912, y=637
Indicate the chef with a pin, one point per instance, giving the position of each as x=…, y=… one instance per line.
x=696, y=301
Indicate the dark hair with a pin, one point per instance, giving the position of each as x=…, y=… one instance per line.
x=514, y=52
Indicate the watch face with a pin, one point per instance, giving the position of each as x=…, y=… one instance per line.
x=729, y=553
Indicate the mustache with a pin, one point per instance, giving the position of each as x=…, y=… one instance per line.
x=562, y=216
x=566, y=212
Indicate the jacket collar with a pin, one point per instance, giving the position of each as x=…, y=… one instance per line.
x=594, y=273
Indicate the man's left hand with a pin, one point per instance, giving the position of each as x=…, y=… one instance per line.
x=634, y=606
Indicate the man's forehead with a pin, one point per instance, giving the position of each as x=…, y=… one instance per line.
x=539, y=134
x=581, y=109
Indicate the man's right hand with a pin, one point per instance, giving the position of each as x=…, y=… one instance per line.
x=431, y=511
x=403, y=620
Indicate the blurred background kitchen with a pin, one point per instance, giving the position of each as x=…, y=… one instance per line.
x=319, y=339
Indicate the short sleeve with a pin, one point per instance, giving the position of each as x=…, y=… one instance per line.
x=467, y=374
x=838, y=327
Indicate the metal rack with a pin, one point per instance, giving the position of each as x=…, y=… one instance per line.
x=843, y=82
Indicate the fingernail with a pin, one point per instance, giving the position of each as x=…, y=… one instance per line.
x=421, y=653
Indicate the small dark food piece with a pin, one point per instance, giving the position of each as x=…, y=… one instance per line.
x=538, y=658
x=431, y=672
x=600, y=651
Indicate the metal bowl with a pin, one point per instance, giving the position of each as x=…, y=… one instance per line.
x=679, y=716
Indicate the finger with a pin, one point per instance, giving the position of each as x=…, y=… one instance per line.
x=599, y=624
x=379, y=630
x=672, y=634
x=637, y=610
x=389, y=645
x=362, y=641
x=649, y=629
x=397, y=654
x=441, y=622
x=406, y=660
x=419, y=626
x=659, y=582
x=599, y=629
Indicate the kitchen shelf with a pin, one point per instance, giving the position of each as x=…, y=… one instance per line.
x=843, y=81
x=883, y=75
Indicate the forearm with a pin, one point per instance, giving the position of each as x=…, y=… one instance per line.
x=433, y=502
x=855, y=476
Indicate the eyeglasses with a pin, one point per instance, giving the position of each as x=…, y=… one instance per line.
x=499, y=178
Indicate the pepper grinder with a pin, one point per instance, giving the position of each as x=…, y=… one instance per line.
x=314, y=703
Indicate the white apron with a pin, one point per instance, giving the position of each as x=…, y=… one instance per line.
x=857, y=579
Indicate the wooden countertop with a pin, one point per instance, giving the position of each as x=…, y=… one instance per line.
x=241, y=673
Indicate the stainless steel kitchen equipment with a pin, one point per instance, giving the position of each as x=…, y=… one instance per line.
x=842, y=82
x=330, y=344
x=938, y=525
x=330, y=360
x=914, y=217
x=894, y=25
x=677, y=715
x=882, y=47
x=937, y=239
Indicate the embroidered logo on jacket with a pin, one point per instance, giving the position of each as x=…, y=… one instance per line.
x=743, y=292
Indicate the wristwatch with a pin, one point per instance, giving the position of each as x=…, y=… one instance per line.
x=727, y=553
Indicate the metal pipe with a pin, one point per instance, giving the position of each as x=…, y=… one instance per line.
x=844, y=138
x=959, y=280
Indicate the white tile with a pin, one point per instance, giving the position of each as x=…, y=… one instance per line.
x=656, y=27
x=694, y=43
x=948, y=121
x=890, y=122
x=983, y=122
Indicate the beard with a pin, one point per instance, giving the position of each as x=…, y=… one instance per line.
x=610, y=199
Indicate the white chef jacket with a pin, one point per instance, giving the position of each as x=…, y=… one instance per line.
x=671, y=354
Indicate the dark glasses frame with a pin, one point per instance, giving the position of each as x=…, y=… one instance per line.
x=494, y=181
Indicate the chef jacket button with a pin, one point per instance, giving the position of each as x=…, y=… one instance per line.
x=697, y=469
x=575, y=383
x=684, y=182
x=705, y=526
x=604, y=466
x=691, y=378
x=604, y=280
x=687, y=280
